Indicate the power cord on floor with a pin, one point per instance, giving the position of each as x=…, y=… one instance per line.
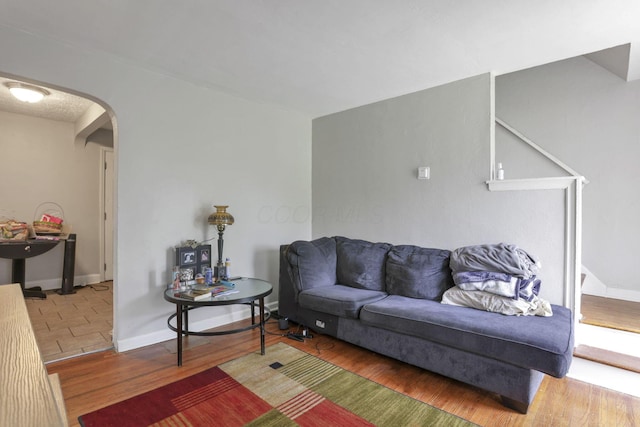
x=320, y=344
x=97, y=287
x=297, y=335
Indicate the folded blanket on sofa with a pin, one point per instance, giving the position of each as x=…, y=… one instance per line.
x=482, y=300
x=528, y=288
x=497, y=283
x=494, y=257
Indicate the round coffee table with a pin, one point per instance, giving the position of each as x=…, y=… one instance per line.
x=248, y=292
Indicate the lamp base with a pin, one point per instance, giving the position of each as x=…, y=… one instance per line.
x=220, y=272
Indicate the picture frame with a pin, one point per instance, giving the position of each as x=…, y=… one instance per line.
x=187, y=274
x=188, y=257
x=205, y=255
x=194, y=258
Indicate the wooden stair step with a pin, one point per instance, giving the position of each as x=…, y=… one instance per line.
x=607, y=357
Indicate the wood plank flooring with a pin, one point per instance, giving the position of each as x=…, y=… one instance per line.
x=611, y=313
x=96, y=380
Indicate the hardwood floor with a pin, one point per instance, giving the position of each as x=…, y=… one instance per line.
x=97, y=380
x=611, y=313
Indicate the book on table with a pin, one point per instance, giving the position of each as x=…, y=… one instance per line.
x=195, y=294
x=200, y=292
x=225, y=288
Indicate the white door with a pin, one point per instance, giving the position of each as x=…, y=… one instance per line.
x=108, y=215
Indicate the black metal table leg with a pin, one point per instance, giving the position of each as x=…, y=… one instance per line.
x=179, y=332
x=262, y=331
x=185, y=310
x=18, y=271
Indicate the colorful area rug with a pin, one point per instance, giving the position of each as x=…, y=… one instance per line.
x=285, y=387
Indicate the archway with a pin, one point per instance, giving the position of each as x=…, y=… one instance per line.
x=57, y=157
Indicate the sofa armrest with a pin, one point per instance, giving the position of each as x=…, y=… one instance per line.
x=287, y=295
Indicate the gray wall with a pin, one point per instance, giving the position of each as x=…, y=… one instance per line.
x=41, y=163
x=179, y=150
x=590, y=119
x=365, y=164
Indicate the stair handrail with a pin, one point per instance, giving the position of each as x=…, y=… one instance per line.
x=541, y=150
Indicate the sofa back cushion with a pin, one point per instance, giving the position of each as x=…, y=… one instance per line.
x=361, y=264
x=312, y=263
x=418, y=272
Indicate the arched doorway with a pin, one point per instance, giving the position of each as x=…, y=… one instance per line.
x=58, y=150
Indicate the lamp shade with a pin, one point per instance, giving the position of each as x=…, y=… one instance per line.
x=221, y=216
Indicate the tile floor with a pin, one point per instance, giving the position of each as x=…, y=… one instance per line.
x=73, y=324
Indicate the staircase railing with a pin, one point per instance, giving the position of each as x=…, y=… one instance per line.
x=539, y=149
x=572, y=186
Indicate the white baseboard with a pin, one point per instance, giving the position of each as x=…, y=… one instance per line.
x=615, y=293
x=593, y=286
x=605, y=376
x=50, y=284
x=166, y=334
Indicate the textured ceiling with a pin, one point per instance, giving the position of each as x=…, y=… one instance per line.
x=324, y=56
x=60, y=106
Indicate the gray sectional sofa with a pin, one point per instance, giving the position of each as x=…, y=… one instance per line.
x=387, y=299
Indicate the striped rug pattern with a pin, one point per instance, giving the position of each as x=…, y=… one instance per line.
x=285, y=387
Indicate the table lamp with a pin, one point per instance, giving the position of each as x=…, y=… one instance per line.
x=220, y=218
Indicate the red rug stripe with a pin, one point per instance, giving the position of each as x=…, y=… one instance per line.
x=300, y=404
x=236, y=407
x=204, y=393
x=327, y=413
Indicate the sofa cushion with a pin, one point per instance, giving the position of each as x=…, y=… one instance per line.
x=339, y=300
x=361, y=264
x=312, y=263
x=541, y=343
x=418, y=272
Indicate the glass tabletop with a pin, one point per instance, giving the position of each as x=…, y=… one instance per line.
x=245, y=289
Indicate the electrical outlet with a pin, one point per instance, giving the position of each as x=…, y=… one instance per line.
x=320, y=324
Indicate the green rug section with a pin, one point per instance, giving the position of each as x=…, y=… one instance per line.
x=299, y=385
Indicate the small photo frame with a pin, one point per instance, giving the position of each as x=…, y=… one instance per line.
x=195, y=259
x=188, y=257
x=187, y=274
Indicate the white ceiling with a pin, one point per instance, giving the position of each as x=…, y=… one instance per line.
x=324, y=56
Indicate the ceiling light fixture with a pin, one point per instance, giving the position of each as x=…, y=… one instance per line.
x=26, y=93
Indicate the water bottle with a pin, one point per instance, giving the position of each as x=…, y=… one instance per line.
x=227, y=266
x=500, y=172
